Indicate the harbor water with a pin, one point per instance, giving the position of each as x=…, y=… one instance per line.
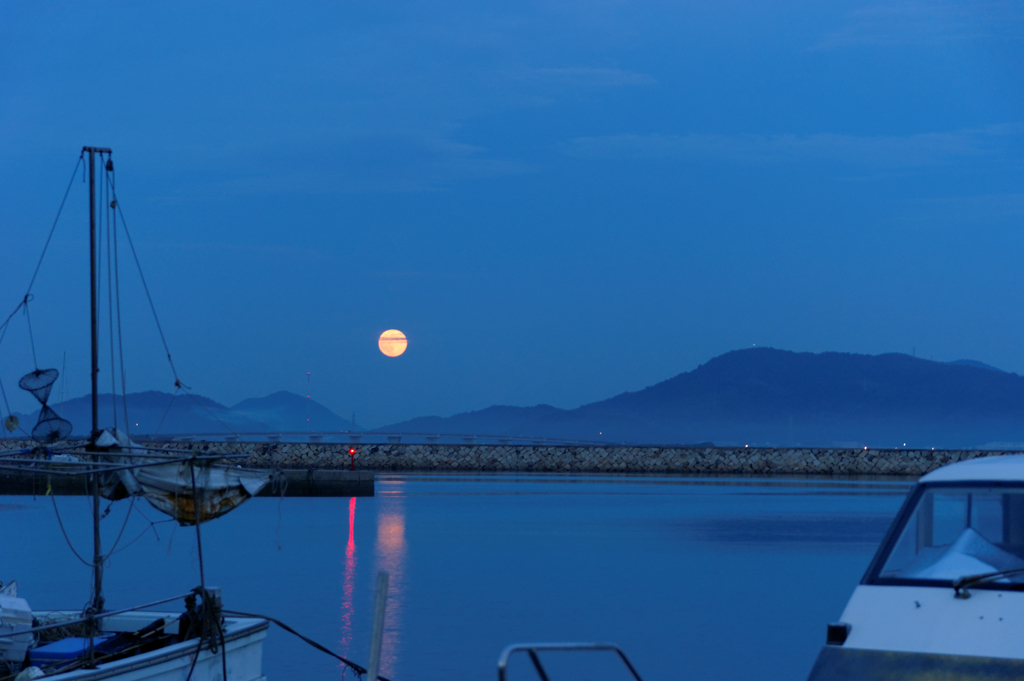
x=696, y=578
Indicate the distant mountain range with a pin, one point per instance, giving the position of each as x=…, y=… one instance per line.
x=154, y=412
x=756, y=396
x=768, y=396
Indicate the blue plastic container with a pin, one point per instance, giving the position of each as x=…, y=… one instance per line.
x=62, y=651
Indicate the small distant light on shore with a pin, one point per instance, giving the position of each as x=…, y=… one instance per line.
x=746, y=445
x=865, y=448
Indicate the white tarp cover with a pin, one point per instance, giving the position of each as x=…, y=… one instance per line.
x=168, y=486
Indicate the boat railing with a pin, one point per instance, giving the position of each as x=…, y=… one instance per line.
x=531, y=649
x=92, y=618
x=29, y=461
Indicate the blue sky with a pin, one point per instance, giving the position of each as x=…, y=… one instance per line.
x=556, y=201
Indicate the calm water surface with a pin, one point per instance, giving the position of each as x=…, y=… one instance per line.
x=697, y=578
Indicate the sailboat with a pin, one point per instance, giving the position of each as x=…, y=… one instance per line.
x=205, y=642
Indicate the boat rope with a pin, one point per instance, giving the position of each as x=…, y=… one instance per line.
x=210, y=623
x=166, y=409
x=208, y=411
x=113, y=548
x=117, y=295
x=197, y=510
x=145, y=286
x=28, y=291
x=127, y=515
x=115, y=205
x=31, y=338
x=7, y=406
x=152, y=525
x=49, y=237
x=360, y=670
x=60, y=523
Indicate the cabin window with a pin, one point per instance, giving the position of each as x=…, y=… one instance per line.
x=958, y=532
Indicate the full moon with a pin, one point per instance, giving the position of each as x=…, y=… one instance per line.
x=392, y=342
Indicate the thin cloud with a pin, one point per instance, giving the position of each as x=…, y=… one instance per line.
x=376, y=164
x=919, y=150
x=984, y=209
x=924, y=23
x=589, y=77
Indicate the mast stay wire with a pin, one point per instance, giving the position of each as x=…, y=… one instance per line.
x=46, y=245
x=28, y=291
x=110, y=297
x=25, y=299
x=31, y=338
x=117, y=294
x=145, y=287
x=53, y=498
x=163, y=339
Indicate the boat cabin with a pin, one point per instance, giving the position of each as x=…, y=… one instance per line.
x=944, y=594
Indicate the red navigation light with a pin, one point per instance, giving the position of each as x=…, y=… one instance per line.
x=351, y=450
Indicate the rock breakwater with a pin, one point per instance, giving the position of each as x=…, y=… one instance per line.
x=578, y=459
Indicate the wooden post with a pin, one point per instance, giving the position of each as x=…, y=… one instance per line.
x=377, y=636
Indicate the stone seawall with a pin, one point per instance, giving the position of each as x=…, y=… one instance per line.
x=579, y=459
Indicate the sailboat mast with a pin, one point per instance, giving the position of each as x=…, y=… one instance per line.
x=97, y=554
x=92, y=291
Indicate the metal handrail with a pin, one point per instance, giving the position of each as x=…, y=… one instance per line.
x=532, y=648
x=73, y=468
x=384, y=434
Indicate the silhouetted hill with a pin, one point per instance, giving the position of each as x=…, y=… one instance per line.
x=490, y=421
x=768, y=396
x=154, y=412
x=974, y=363
x=290, y=412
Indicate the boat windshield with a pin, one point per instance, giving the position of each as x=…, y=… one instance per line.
x=958, y=532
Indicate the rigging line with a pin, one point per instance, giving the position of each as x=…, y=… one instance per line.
x=3, y=332
x=153, y=523
x=142, y=534
x=355, y=667
x=53, y=498
x=145, y=287
x=4, y=393
x=59, y=210
x=197, y=509
x=119, y=534
x=63, y=381
x=196, y=400
x=110, y=297
x=3, y=327
x=31, y=338
x=46, y=245
x=152, y=526
x=117, y=295
x=167, y=409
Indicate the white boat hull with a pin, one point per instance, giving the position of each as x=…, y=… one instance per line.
x=243, y=652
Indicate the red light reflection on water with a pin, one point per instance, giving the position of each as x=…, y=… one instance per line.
x=349, y=580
